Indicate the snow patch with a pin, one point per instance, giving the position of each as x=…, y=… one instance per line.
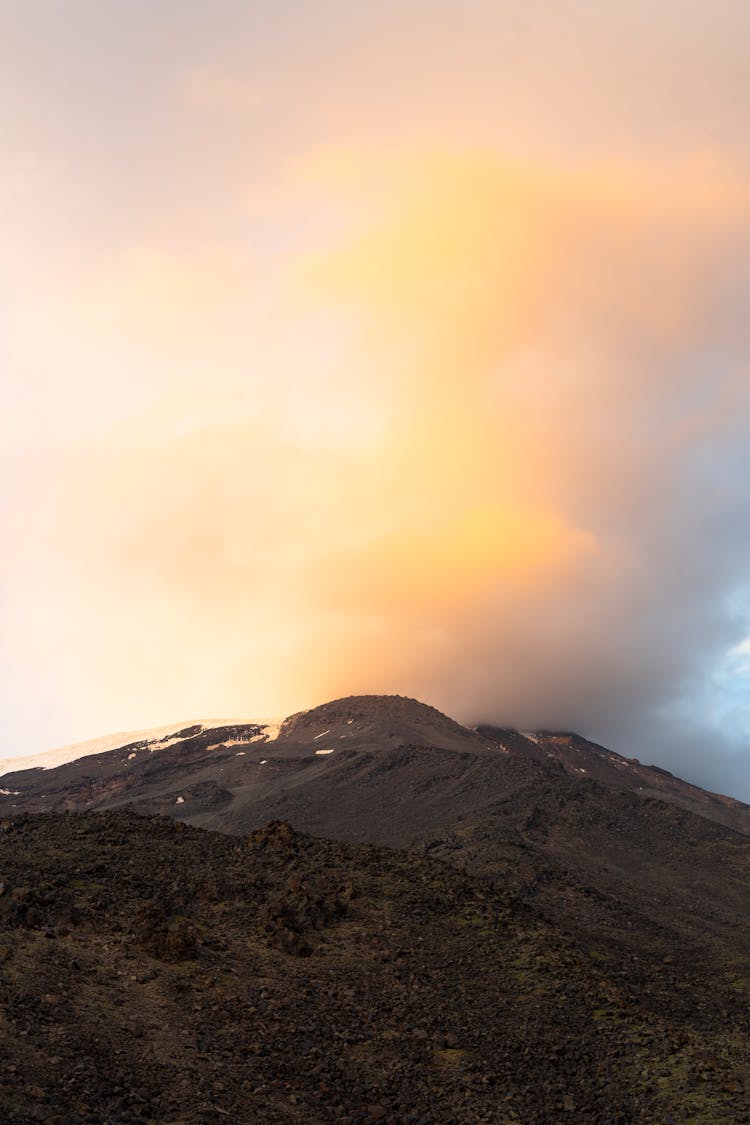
x=320, y=753
x=317, y=736
x=240, y=754
x=162, y=735
x=530, y=736
x=269, y=733
x=131, y=756
x=180, y=801
x=164, y=744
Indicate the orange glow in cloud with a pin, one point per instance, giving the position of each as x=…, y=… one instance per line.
x=420, y=463
x=528, y=326
x=392, y=347
x=424, y=574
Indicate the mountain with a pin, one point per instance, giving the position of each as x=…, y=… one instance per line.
x=500, y=926
x=335, y=768
x=572, y=826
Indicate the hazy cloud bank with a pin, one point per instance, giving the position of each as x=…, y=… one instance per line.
x=326, y=377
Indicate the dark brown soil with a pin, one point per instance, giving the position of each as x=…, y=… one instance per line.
x=152, y=971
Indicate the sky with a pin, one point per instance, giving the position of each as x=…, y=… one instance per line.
x=378, y=347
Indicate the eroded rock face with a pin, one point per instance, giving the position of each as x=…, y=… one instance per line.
x=304, y=904
x=168, y=938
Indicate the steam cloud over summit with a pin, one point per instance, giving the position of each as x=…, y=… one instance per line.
x=328, y=395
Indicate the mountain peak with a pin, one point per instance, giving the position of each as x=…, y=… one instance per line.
x=395, y=718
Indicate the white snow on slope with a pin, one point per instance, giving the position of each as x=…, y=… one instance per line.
x=51, y=758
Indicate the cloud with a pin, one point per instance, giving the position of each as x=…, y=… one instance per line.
x=553, y=342
x=215, y=89
x=482, y=442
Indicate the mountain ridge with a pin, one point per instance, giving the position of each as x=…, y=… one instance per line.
x=365, y=723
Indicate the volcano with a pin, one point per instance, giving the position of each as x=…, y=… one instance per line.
x=371, y=912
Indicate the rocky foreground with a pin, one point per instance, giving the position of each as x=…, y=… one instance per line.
x=153, y=971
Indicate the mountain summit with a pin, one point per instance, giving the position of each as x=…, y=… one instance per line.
x=382, y=719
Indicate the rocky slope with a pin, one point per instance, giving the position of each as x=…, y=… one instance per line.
x=155, y=972
x=337, y=768
x=594, y=841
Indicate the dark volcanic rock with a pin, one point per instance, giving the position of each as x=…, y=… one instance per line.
x=584, y=834
x=385, y=769
x=377, y=721
x=154, y=991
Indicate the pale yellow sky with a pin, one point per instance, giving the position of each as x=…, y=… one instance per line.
x=376, y=347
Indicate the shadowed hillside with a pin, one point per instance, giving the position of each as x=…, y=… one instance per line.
x=155, y=972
